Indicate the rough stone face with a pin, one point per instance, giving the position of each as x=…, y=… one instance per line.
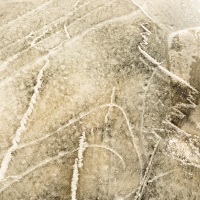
x=99, y=100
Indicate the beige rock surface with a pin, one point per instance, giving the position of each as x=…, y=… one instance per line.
x=99, y=100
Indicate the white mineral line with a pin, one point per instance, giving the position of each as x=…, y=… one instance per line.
x=146, y=175
x=176, y=112
x=49, y=26
x=81, y=149
x=23, y=69
x=15, y=56
x=74, y=182
x=144, y=103
x=143, y=182
x=148, y=57
x=144, y=35
x=33, y=168
x=109, y=149
x=132, y=135
x=78, y=164
x=7, y=158
x=160, y=176
x=108, y=21
x=156, y=135
x=167, y=72
x=110, y=107
x=131, y=193
x=66, y=32
x=33, y=43
x=177, y=128
x=70, y=122
x=73, y=120
x=146, y=29
x=85, y=32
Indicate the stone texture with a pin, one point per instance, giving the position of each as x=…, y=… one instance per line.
x=99, y=100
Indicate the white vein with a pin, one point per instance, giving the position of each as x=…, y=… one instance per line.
x=33, y=168
x=144, y=181
x=109, y=149
x=142, y=9
x=55, y=22
x=144, y=101
x=66, y=32
x=144, y=43
x=78, y=164
x=74, y=182
x=110, y=107
x=167, y=72
x=180, y=131
x=85, y=32
x=74, y=120
x=184, y=162
x=145, y=35
x=7, y=158
x=33, y=43
x=81, y=149
x=134, y=139
x=160, y=176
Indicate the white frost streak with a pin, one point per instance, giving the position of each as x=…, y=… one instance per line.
x=19, y=177
x=111, y=150
x=81, y=149
x=110, y=108
x=160, y=176
x=74, y=179
x=134, y=139
x=145, y=35
x=146, y=175
x=167, y=72
x=78, y=164
x=66, y=32
x=7, y=158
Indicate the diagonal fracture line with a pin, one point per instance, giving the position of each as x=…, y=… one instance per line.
x=145, y=13
x=167, y=72
x=160, y=176
x=132, y=135
x=144, y=103
x=7, y=158
x=146, y=175
x=110, y=108
x=33, y=168
x=3, y=65
x=74, y=120
x=48, y=26
x=109, y=149
x=75, y=177
x=66, y=32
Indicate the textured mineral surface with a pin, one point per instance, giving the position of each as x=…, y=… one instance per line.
x=99, y=100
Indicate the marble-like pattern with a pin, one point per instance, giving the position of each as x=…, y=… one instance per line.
x=99, y=100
